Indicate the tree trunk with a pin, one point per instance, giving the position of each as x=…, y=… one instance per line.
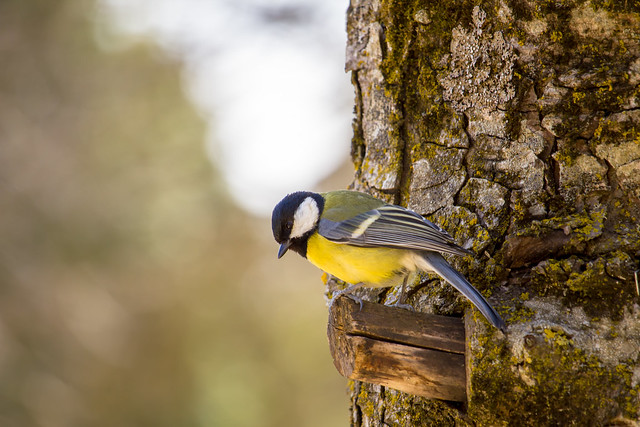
x=516, y=127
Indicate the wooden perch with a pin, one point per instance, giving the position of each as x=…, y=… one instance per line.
x=421, y=354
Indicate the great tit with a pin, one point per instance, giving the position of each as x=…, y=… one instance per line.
x=364, y=241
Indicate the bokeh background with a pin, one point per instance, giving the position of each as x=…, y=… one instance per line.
x=138, y=163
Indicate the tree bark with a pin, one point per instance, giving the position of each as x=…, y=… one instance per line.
x=515, y=125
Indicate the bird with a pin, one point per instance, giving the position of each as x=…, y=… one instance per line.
x=365, y=241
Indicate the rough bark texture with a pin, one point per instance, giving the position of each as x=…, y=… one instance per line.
x=515, y=125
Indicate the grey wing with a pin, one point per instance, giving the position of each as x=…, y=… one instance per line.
x=390, y=226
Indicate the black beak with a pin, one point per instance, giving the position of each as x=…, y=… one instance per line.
x=283, y=248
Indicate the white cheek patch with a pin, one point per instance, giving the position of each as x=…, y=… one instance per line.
x=305, y=218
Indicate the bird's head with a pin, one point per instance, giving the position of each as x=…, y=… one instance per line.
x=294, y=219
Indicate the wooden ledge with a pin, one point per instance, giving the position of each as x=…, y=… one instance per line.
x=417, y=353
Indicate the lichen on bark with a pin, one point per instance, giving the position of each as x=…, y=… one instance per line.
x=515, y=126
x=479, y=67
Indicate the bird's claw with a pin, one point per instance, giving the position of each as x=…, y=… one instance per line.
x=404, y=306
x=347, y=292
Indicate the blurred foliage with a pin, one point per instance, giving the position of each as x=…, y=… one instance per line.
x=132, y=292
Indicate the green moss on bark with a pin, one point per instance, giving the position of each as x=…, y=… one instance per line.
x=569, y=128
x=550, y=382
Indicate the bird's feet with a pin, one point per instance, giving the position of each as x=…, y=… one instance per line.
x=348, y=292
x=402, y=305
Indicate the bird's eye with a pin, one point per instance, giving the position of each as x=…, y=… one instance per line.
x=288, y=225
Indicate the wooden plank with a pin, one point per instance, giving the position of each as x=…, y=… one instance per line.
x=397, y=348
x=394, y=324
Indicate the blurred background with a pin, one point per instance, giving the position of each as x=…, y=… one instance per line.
x=142, y=146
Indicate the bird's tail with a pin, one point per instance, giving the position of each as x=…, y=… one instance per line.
x=440, y=266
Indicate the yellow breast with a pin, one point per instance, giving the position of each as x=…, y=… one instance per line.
x=375, y=267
